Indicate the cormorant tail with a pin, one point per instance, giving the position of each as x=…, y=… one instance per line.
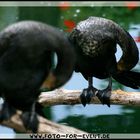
x=128, y=78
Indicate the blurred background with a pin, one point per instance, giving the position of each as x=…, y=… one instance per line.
x=92, y=118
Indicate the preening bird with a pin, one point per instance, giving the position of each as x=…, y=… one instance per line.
x=94, y=41
x=26, y=49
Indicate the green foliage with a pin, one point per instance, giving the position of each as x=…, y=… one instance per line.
x=50, y=15
x=121, y=15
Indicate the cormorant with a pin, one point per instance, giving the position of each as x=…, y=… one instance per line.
x=95, y=40
x=26, y=49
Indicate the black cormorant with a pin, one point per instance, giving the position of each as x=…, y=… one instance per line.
x=95, y=40
x=26, y=49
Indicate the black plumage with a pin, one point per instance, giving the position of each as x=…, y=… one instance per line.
x=95, y=40
x=26, y=51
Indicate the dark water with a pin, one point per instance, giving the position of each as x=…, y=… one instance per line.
x=119, y=119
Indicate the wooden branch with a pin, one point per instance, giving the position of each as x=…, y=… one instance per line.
x=71, y=97
x=45, y=126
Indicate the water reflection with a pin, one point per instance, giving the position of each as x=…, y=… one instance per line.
x=63, y=111
x=120, y=119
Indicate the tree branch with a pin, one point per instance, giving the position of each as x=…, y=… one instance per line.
x=68, y=97
x=45, y=126
x=71, y=97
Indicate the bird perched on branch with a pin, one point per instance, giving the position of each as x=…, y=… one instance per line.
x=94, y=41
x=26, y=49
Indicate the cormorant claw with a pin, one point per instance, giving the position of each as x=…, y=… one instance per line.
x=30, y=120
x=104, y=96
x=87, y=94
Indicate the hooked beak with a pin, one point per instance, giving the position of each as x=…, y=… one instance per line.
x=49, y=83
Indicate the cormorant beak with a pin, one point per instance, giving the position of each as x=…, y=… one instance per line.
x=49, y=83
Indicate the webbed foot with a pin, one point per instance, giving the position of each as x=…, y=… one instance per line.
x=104, y=95
x=87, y=94
x=30, y=119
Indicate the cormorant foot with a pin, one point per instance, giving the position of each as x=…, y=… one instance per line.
x=104, y=95
x=30, y=120
x=6, y=111
x=87, y=94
